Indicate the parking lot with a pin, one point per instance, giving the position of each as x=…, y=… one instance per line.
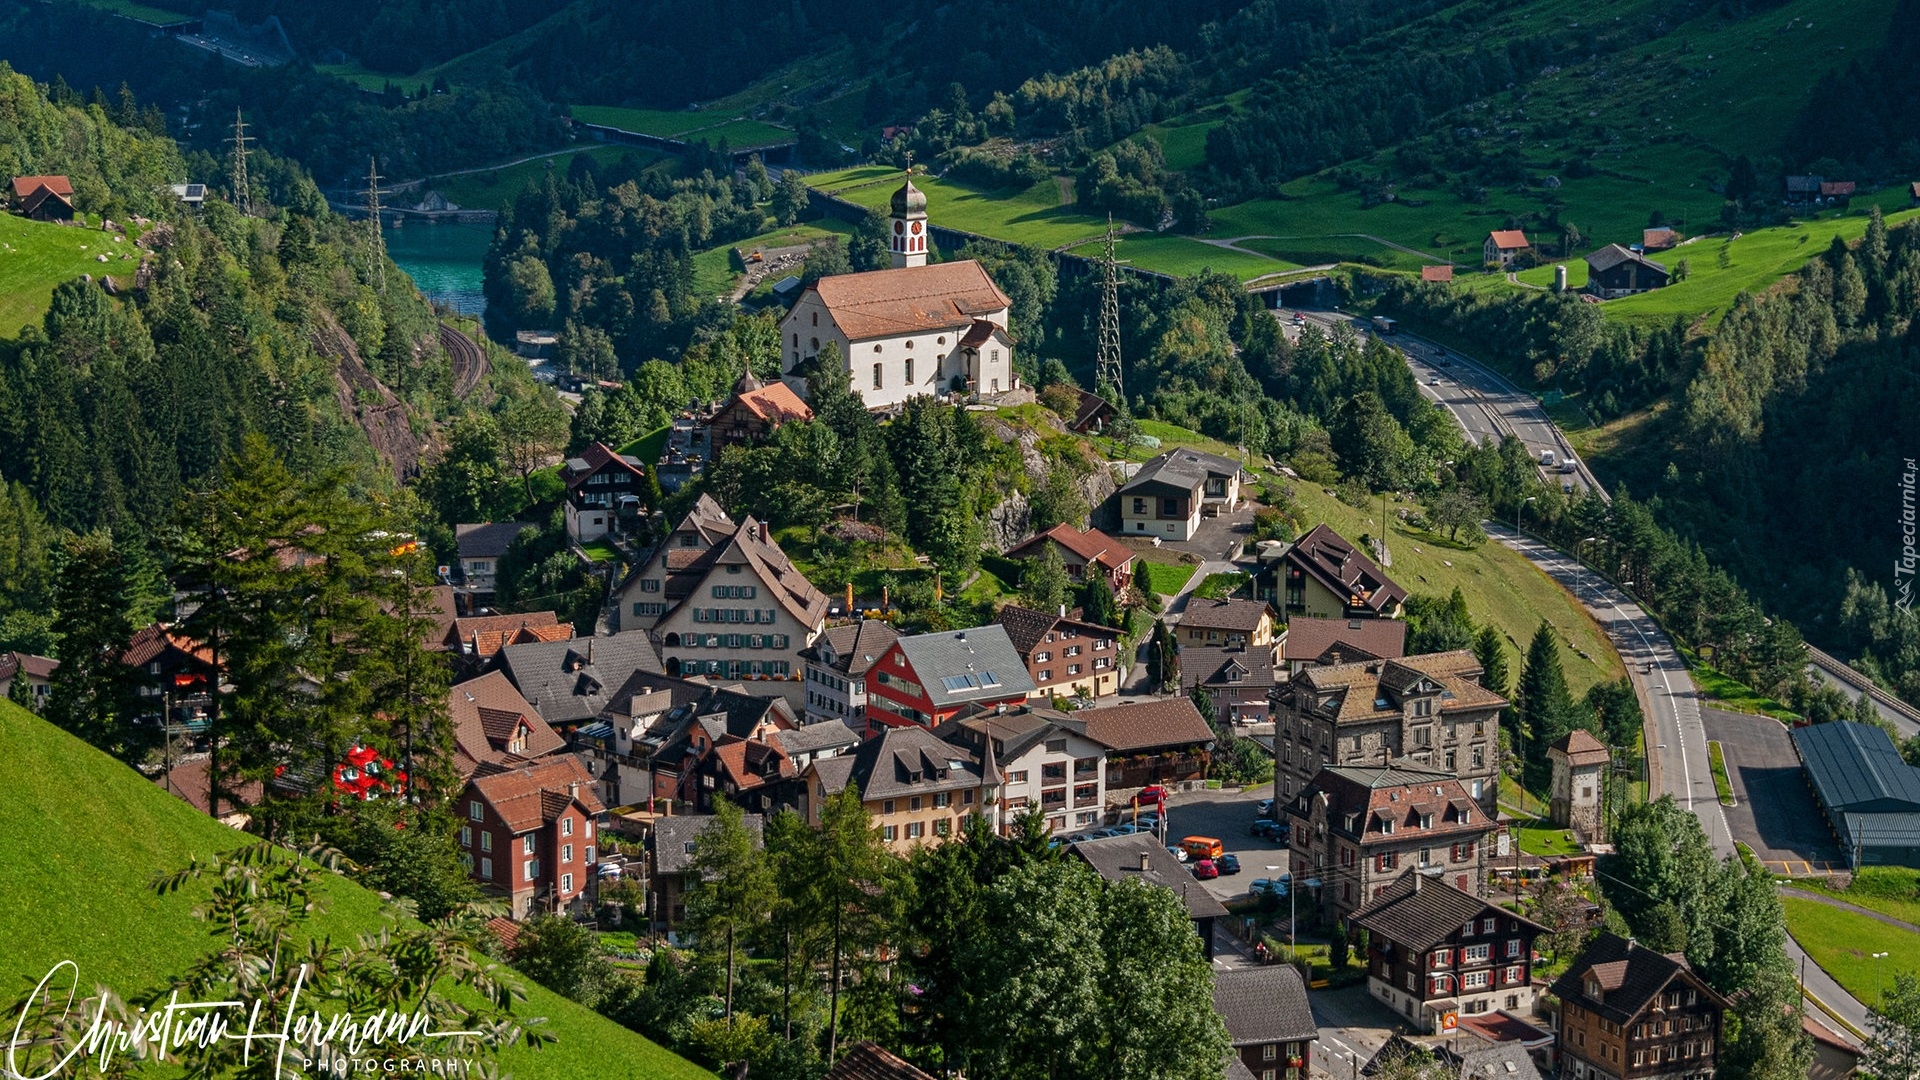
x=1225, y=816
x=1774, y=812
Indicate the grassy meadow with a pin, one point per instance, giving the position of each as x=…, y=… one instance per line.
x=35, y=256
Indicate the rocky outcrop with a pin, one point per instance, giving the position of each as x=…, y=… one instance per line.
x=387, y=421
x=1010, y=521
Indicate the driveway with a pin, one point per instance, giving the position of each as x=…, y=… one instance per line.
x=1218, y=537
x=1775, y=814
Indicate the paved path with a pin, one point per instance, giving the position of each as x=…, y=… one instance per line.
x=1176, y=605
x=1831, y=901
x=1233, y=243
x=1676, y=736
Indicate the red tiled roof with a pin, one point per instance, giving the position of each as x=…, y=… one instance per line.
x=1509, y=239
x=36, y=667
x=1581, y=748
x=485, y=713
x=866, y=1061
x=1436, y=273
x=1091, y=545
x=24, y=186
x=913, y=299
x=463, y=631
x=505, y=930
x=776, y=403
x=151, y=641
x=1309, y=637
x=536, y=794
x=189, y=781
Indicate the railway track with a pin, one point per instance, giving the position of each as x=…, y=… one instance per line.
x=470, y=364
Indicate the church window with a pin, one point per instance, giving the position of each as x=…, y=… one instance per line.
x=909, y=371
x=815, y=343
x=940, y=341
x=876, y=348
x=816, y=318
x=909, y=344
x=876, y=376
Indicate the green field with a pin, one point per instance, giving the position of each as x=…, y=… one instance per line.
x=133, y=10
x=711, y=125
x=1028, y=216
x=1319, y=250
x=742, y=134
x=1183, y=145
x=1167, y=578
x=650, y=446
x=85, y=836
x=1540, y=837
x=374, y=80
x=1183, y=256
x=1719, y=267
x=713, y=273
x=1220, y=586
x=1843, y=943
x=35, y=256
x=497, y=187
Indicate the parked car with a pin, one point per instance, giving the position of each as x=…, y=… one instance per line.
x=1178, y=853
x=1263, y=808
x=1102, y=834
x=1270, y=830
x=1152, y=794
x=1267, y=886
x=1204, y=870
x=1227, y=864
x=1078, y=837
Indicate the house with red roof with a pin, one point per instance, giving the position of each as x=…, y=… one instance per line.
x=34, y=672
x=1066, y=655
x=1079, y=549
x=176, y=675
x=495, y=728
x=1442, y=274
x=528, y=835
x=753, y=413
x=1502, y=245
x=43, y=198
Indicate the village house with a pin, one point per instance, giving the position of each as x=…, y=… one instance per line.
x=1079, y=549
x=926, y=679
x=917, y=328
x=1045, y=759
x=1658, y=239
x=869, y=1061
x=1360, y=829
x=480, y=547
x=1311, y=640
x=1141, y=857
x=1614, y=271
x=918, y=787
x=1160, y=741
x=672, y=846
x=606, y=493
x=35, y=674
x=1578, y=794
x=494, y=728
x=1441, y=274
x=1169, y=494
x=43, y=198
x=1239, y=681
x=620, y=748
x=753, y=413
x=684, y=764
x=1066, y=656
x=1091, y=413
x=740, y=611
x=1268, y=1019
x=1326, y=576
x=1427, y=711
x=1227, y=623
x=570, y=681
x=836, y=669
x=175, y=676
x=476, y=641
x=1502, y=246
x=528, y=835
x=639, y=602
x=1628, y=1012
x=1437, y=954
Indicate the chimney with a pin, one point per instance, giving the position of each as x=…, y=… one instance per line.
x=1063, y=611
x=1145, y=861
x=573, y=788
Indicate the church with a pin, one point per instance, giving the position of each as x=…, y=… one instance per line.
x=917, y=328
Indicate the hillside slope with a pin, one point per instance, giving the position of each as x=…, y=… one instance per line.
x=85, y=835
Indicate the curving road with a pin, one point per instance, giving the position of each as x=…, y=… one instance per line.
x=1485, y=404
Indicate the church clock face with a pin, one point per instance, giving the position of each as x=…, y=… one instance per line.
x=916, y=228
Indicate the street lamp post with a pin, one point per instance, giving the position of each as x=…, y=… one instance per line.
x=1517, y=510
x=1879, y=976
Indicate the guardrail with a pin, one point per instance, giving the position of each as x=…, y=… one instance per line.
x=1833, y=666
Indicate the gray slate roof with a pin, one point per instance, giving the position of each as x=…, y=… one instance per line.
x=1117, y=858
x=489, y=540
x=1856, y=767
x=815, y=738
x=955, y=667
x=854, y=647
x=1613, y=255
x=571, y=681
x=673, y=835
x=1182, y=468
x=903, y=761
x=1264, y=1004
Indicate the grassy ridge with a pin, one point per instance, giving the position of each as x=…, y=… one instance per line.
x=35, y=256
x=85, y=835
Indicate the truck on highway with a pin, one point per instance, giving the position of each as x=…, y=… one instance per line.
x=1546, y=459
x=1384, y=325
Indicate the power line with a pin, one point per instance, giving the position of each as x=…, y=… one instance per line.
x=242, y=196
x=376, y=240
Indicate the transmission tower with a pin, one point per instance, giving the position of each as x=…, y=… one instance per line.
x=376, y=240
x=1108, y=371
x=242, y=197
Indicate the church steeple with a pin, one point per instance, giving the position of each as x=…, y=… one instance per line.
x=909, y=226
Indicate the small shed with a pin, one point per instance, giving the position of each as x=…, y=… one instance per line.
x=1437, y=273
x=193, y=195
x=787, y=289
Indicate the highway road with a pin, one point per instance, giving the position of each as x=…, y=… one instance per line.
x=1485, y=405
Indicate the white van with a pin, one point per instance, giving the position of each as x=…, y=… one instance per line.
x=1546, y=459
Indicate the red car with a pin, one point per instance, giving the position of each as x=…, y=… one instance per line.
x=1154, y=795
x=1205, y=870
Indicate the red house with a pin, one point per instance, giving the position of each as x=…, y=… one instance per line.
x=528, y=835
x=1079, y=549
x=927, y=679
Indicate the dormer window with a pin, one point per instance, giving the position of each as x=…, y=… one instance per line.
x=1426, y=821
